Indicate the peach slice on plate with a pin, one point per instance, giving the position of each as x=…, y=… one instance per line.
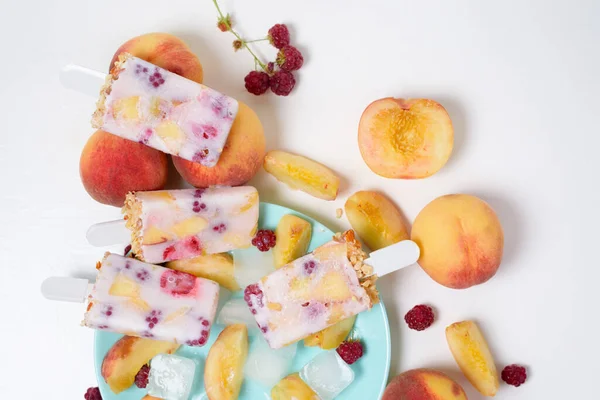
x=376, y=220
x=216, y=267
x=224, y=368
x=330, y=338
x=293, y=236
x=471, y=352
x=292, y=387
x=125, y=358
x=301, y=173
x=405, y=138
x=423, y=384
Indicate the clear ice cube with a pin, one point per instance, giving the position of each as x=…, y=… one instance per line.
x=236, y=311
x=327, y=374
x=267, y=366
x=171, y=377
x=251, y=264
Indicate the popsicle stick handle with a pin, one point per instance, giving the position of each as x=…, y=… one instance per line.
x=394, y=257
x=82, y=79
x=66, y=289
x=108, y=233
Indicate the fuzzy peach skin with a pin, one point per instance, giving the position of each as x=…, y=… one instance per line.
x=423, y=384
x=125, y=358
x=241, y=158
x=461, y=240
x=405, y=138
x=166, y=51
x=111, y=166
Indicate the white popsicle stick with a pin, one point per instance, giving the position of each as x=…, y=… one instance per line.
x=66, y=289
x=394, y=257
x=108, y=233
x=81, y=79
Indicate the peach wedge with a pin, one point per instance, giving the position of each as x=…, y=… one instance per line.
x=423, y=384
x=405, y=138
x=376, y=220
x=216, y=267
x=331, y=337
x=301, y=173
x=125, y=358
x=471, y=352
x=292, y=387
x=293, y=236
x=224, y=368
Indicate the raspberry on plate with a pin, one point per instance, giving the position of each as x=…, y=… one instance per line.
x=515, y=375
x=93, y=393
x=264, y=240
x=141, y=378
x=350, y=351
x=420, y=317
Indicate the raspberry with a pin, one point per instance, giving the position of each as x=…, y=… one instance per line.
x=279, y=36
x=514, y=375
x=141, y=379
x=168, y=252
x=309, y=267
x=282, y=83
x=264, y=240
x=127, y=250
x=156, y=79
x=257, y=82
x=93, y=393
x=289, y=58
x=224, y=23
x=219, y=228
x=420, y=317
x=177, y=283
x=350, y=351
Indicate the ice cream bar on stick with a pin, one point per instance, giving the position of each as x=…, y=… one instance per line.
x=334, y=282
x=170, y=225
x=140, y=299
x=148, y=104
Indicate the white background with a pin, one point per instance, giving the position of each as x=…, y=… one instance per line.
x=519, y=79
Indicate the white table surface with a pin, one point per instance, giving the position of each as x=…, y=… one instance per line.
x=519, y=79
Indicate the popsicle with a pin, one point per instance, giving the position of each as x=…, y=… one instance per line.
x=315, y=291
x=144, y=103
x=177, y=224
x=139, y=299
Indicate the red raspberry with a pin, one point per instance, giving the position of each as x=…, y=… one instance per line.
x=420, y=317
x=141, y=379
x=92, y=393
x=177, y=283
x=350, y=351
x=514, y=375
x=282, y=83
x=264, y=240
x=289, y=58
x=257, y=82
x=279, y=36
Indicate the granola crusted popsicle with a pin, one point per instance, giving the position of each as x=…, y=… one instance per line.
x=178, y=224
x=144, y=103
x=313, y=292
x=139, y=299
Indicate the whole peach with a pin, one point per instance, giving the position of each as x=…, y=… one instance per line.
x=461, y=240
x=166, y=51
x=241, y=158
x=111, y=166
x=423, y=384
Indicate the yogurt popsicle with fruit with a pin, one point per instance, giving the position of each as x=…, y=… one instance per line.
x=170, y=225
x=139, y=299
x=147, y=104
x=313, y=292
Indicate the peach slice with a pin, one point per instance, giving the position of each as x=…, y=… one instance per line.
x=332, y=337
x=224, y=368
x=461, y=240
x=126, y=108
x=216, y=267
x=405, y=138
x=170, y=133
x=376, y=220
x=471, y=352
x=301, y=173
x=292, y=387
x=153, y=235
x=423, y=384
x=189, y=226
x=125, y=358
x=293, y=236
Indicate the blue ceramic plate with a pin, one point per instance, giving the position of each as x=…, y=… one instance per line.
x=372, y=327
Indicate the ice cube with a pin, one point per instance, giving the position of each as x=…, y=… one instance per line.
x=327, y=374
x=236, y=311
x=267, y=366
x=251, y=264
x=171, y=377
